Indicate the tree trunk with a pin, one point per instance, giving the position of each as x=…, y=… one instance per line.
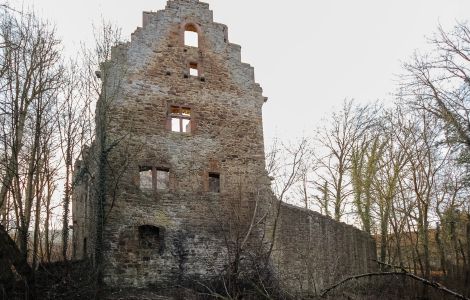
x=47, y=243
x=383, y=241
x=467, y=273
x=427, y=263
x=37, y=217
x=30, y=184
x=17, y=144
x=441, y=249
x=453, y=237
x=66, y=205
x=338, y=195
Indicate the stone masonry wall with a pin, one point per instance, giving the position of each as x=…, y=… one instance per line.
x=314, y=251
x=191, y=229
x=83, y=207
x=143, y=80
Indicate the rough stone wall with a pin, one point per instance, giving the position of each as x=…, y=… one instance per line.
x=192, y=226
x=144, y=79
x=83, y=208
x=313, y=251
x=79, y=212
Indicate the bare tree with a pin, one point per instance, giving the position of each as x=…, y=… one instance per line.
x=102, y=79
x=391, y=161
x=31, y=75
x=284, y=164
x=72, y=120
x=29, y=62
x=439, y=81
x=336, y=142
x=365, y=159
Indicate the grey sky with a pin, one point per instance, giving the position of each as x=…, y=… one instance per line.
x=309, y=55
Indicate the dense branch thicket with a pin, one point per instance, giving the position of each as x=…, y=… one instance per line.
x=46, y=117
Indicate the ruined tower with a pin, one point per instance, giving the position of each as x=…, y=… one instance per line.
x=186, y=122
x=185, y=167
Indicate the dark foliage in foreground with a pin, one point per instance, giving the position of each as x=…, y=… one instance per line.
x=61, y=280
x=75, y=280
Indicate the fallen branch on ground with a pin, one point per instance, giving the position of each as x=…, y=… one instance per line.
x=402, y=272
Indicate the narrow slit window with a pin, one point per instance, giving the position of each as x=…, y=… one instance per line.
x=163, y=179
x=145, y=174
x=193, y=70
x=214, y=182
x=191, y=37
x=180, y=119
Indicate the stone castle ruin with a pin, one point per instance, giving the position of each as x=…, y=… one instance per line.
x=186, y=186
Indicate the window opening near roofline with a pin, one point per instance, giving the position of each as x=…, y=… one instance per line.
x=191, y=36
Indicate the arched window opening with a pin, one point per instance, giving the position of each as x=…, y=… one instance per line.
x=191, y=36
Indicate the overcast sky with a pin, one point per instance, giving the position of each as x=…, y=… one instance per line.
x=309, y=55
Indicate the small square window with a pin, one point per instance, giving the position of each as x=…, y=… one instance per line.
x=145, y=175
x=193, y=69
x=150, y=237
x=193, y=72
x=214, y=182
x=163, y=179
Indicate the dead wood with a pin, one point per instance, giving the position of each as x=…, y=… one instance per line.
x=402, y=272
x=10, y=253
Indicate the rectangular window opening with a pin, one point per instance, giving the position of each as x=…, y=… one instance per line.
x=214, y=182
x=191, y=38
x=175, y=124
x=193, y=70
x=145, y=174
x=186, y=126
x=163, y=179
x=180, y=119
